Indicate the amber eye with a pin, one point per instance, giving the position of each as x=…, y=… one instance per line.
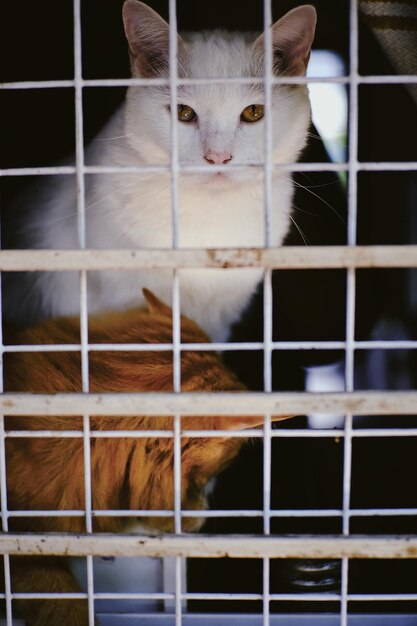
x=185, y=113
x=252, y=113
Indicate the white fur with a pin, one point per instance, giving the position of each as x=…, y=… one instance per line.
x=134, y=210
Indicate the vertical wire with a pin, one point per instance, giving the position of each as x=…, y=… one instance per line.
x=173, y=83
x=267, y=452
x=266, y=592
x=178, y=591
x=79, y=126
x=351, y=289
x=5, y=519
x=267, y=325
x=266, y=516
x=176, y=304
x=267, y=308
x=80, y=172
x=3, y=480
x=8, y=590
x=268, y=168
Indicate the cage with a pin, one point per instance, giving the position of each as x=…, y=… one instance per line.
x=315, y=521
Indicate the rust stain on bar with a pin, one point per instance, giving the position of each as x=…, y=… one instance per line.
x=292, y=257
x=231, y=546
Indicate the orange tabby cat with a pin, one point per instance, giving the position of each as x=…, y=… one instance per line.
x=126, y=473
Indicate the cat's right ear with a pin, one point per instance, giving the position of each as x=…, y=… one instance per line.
x=148, y=38
x=292, y=38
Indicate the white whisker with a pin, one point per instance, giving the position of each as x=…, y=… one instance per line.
x=296, y=208
x=302, y=235
x=116, y=137
x=296, y=184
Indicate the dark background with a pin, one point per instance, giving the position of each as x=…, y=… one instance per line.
x=37, y=129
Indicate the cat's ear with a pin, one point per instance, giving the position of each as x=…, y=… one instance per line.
x=155, y=305
x=148, y=38
x=237, y=422
x=292, y=38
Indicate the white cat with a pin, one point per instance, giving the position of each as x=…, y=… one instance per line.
x=218, y=124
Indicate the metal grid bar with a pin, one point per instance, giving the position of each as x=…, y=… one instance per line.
x=308, y=597
x=397, y=79
x=212, y=546
x=351, y=288
x=5, y=517
x=242, y=403
x=253, y=434
x=176, y=304
x=315, y=257
x=267, y=305
x=267, y=349
x=214, y=513
x=376, y=166
x=82, y=241
x=215, y=347
x=3, y=482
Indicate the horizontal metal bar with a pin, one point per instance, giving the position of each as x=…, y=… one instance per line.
x=384, y=432
x=97, y=596
x=285, y=167
x=45, y=513
x=240, y=403
x=381, y=512
x=286, y=597
x=296, y=597
x=134, y=434
x=386, y=597
x=151, y=169
x=232, y=546
x=94, y=434
x=129, y=347
x=397, y=166
x=382, y=166
x=292, y=433
x=385, y=345
x=138, y=82
x=215, y=513
x=39, y=171
x=292, y=257
x=212, y=347
x=289, y=433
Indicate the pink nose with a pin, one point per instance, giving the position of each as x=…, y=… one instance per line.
x=218, y=158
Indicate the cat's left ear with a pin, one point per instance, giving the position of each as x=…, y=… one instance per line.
x=238, y=422
x=292, y=38
x=148, y=38
x=155, y=305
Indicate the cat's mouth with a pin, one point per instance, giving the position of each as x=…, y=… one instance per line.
x=224, y=179
x=221, y=180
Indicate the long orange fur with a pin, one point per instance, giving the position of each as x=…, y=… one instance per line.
x=126, y=473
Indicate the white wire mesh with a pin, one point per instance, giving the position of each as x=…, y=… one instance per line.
x=352, y=403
